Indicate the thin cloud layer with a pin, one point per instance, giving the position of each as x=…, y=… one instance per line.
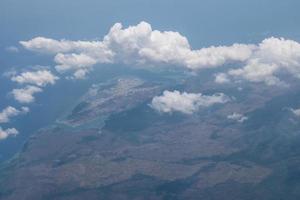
x=187, y=103
x=40, y=78
x=10, y=112
x=25, y=95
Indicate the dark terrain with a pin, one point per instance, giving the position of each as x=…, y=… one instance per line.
x=112, y=145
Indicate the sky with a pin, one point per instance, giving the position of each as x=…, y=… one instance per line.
x=202, y=22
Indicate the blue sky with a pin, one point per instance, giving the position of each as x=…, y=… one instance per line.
x=205, y=22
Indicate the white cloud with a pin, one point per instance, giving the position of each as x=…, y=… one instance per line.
x=10, y=112
x=136, y=45
x=257, y=72
x=141, y=45
x=218, y=56
x=282, y=52
x=80, y=74
x=46, y=45
x=4, y=134
x=39, y=78
x=296, y=112
x=25, y=95
x=80, y=63
x=271, y=58
x=222, y=78
x=187, y=103
x=237, y=117
x=71, y=55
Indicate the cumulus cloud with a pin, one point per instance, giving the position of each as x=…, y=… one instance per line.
x=255, y=71
x=137, y=45
x=187, y=103
x=25, y=95
x=10, y=112
x=141, y=45
x=77, y=56
x=39, y=78
x=272, y=57
x=237, y=117
x=4, y=134
x=5, y=117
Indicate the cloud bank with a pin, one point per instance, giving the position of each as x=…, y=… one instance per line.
x=141, y=45
x=187, y=103
x=138, y=45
